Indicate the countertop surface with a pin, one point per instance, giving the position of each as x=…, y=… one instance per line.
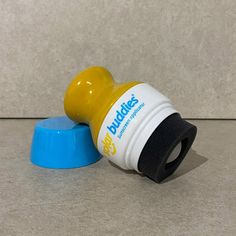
x=199, y=199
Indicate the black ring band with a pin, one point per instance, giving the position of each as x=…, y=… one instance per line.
x=154, y=156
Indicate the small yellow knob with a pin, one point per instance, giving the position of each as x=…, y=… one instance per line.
x=84, y=94
x=90, y=95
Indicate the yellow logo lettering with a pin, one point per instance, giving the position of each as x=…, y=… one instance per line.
x=109, y=148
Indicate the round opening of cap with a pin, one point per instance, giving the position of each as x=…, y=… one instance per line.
x=175, y=153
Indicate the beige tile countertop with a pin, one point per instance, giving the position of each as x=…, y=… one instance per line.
x=199, y=199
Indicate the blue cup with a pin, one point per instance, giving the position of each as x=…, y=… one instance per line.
x=61, y=143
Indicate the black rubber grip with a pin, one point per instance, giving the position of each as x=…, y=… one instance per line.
x=154, y=156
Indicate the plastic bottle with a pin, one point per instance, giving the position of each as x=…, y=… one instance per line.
x=132, y=124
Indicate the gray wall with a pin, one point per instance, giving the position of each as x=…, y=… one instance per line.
x=185, y=48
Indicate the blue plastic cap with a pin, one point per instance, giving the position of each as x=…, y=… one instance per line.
x=61, y=143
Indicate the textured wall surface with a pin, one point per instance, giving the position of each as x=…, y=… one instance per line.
x=186, y=49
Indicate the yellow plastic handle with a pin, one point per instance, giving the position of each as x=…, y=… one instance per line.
x=90, y=96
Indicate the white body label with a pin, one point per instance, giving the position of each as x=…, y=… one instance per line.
x=130, y=122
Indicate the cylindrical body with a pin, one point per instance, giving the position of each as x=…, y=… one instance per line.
x=132, y=124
